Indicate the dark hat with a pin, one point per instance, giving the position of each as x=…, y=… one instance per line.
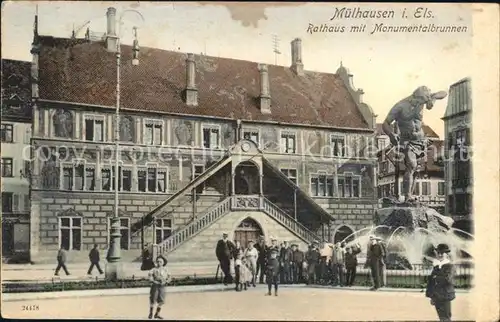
x=164, y=260
x=294, y=245
x=443, y=248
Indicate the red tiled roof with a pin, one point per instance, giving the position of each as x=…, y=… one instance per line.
x=16, y=89
x=84, y=72
x=429, y=132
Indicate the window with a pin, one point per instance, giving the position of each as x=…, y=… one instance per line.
x=291, y=174
x=251, y=135
x=440, y=188
x=211, y=138
x=198, y=171
x=163, y=229
x=416, y=188
x=94, y=130
x=70, y=233
x=7, y=133
x=6, y=167
x=338, y=146
x=124, y=232
x=426, y=188
x=153, y=134
x=78, y=177
x=124, y=179
x=350, y=186
x=152, y=180
x=322, y=186
x=288, y=143
x=7, y=202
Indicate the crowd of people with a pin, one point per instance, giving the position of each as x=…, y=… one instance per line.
x=322, y=263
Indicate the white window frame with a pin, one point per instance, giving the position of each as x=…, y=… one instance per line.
x=154, y=123
x=327, y=176
x=429, y=186
x=194, y=175
x=345, y=152
x=12, y=168
x=12, y=127
x=121, y=167
x=296, y=178
x=288, y=133
x=70, y=227
x=351, y=175
x=95, y=118
x=157, y=169
x=73, y=165
x=163, y=228
x=121, y=228
x=252, y=130
x=219, y=138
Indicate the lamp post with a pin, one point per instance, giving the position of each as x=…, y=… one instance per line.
x=113, y=268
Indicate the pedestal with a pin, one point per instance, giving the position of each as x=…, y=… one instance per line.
x=114, y=271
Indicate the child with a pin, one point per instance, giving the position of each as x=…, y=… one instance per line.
x=273, y=268
x=159, y=276
x=246, y=275
x=440, y=286
x=238, y=256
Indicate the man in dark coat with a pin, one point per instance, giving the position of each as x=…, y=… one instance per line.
x=375, y=261
x=261, y=260
x=61, y=261
x=351, y=262
x=297, y=262
x=94, y=260
x=312, y=259
x=224, y=251
x=147, y=258
x=440, y=288
x=286, y=263
x=273, y=267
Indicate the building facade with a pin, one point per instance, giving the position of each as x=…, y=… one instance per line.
x=429, y=186
x=207, y=145
x=16, y=135
x=458, y=149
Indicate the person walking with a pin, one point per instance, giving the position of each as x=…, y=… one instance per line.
x=273, y=268
x=94, y=260
x=261, y=260
x=251, y=256
x=159, y=277
x=224, y=251
x=61, y=261
x=351, y=263
x=440, y=286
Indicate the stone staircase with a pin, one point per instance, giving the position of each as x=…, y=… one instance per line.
x=233, y=204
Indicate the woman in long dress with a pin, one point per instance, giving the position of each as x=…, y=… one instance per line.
x=159, y=276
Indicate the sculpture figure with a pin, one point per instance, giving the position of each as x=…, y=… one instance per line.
x=409, y=137
x=63, y=124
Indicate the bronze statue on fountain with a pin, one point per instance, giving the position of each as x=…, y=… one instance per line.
x=403, y=125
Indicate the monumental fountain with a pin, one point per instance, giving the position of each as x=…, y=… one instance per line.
x=409, y=228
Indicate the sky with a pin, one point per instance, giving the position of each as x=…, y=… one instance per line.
x=387, y=66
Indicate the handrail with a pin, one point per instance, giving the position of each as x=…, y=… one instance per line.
x=193, y=228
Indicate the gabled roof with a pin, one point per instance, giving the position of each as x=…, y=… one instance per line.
x=84, y=72
x=16, y=90
x=428, y=131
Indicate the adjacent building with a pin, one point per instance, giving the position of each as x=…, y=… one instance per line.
x=15, y=152
x=458, y=144
x=207, y=145
x=429, y=186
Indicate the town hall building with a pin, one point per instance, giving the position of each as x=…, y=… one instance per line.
x=206, y=145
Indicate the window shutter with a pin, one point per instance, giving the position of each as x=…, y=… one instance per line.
x=15, y=203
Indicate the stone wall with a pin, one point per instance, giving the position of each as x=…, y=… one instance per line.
x=95, y=211
x=202, y=246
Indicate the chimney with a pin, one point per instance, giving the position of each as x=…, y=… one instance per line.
x=191, y=90
x=297, y=66
x=360, y=93
x=111, y=38
x=265, y=95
